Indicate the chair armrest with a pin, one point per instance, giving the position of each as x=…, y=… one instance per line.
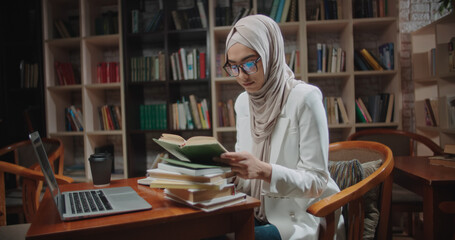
x=29, y=173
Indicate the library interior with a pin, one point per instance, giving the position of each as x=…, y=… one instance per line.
x=147, y=82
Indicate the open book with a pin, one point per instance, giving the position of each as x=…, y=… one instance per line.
x=198, y=149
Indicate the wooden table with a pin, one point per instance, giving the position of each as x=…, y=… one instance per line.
x=166, y=219
x=434, y=184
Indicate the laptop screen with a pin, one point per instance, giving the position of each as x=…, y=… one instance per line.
x=47, y=170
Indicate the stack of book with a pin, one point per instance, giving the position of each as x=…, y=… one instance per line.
x=364, y=59
x=198, y=184
x=375, y=108
x=335, y=110
x=330, y=59
x=190, y=114
x=73, y=119
x=187, y=64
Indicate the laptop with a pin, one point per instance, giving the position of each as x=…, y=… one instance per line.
x=74, y=205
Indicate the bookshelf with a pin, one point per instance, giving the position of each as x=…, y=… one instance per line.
x=304, y=34
x=84, y=37
x=21, y=77
x=150, y=87
x=434, y=81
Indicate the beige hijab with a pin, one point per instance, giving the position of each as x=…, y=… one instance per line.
x=263, y=35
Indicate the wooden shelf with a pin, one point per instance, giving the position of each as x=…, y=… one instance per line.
x=84, y=51
x=439, y=88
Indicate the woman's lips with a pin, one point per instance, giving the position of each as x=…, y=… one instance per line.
x=247, y=84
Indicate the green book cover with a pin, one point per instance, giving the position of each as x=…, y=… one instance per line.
x=199, y=149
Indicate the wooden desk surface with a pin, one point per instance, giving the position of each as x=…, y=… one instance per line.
x=420, y=167
x=435, y=184
x=166, y=219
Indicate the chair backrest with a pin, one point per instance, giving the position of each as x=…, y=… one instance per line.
x=352, y=197
x=402, y=143
x=23, y=157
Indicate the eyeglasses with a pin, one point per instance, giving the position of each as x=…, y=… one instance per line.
x=248, y=68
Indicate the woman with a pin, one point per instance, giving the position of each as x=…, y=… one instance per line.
x=281, y=153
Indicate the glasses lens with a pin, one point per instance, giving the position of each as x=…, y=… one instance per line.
x=234, y=70
x=249, y=67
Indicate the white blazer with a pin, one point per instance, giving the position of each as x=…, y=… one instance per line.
x=299, y=159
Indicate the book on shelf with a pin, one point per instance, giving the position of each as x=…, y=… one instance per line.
x=431, y=108
x=360, y=115
x=386, y=55
x=189, y=114
x=29, y=74
x=343, y=112
x=74, y=119
x=107, y=72
x=197, y=149
x=110, y=117
x=370, y=59
x=226, y=115
x=360, y=63
x=364, y=110
x=202, y=13
x=153, y=116
x=107, y=21
x=65, y=73
x=330, y=58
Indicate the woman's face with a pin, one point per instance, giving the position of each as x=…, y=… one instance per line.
x=239, y=54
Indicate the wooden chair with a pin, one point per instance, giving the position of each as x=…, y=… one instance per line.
x=352, y=197
x=22, y=155
x=31, y=184
x=402, y=143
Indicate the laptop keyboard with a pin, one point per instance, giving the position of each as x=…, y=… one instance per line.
x=89, y=201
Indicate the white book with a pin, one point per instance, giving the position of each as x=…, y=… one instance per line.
x=182, y=54
x=190, y=65
x=194, y=111
x=211, y=205
x=202, y=13
x=338, y=61
x=193, y=172
x=182, y=116
x=334, y=60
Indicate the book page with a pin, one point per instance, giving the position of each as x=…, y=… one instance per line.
x=172, y=148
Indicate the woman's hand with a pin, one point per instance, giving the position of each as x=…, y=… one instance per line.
x=247, y=166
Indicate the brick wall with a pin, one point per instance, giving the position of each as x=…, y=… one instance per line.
x=413, y=14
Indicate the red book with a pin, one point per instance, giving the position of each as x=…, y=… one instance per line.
x=108, y=72
x=98, y=73
x=103, y=72
x=109, y=117
x=70, y=73
x=60, y=77
x=117, y=72
x=202, y=65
